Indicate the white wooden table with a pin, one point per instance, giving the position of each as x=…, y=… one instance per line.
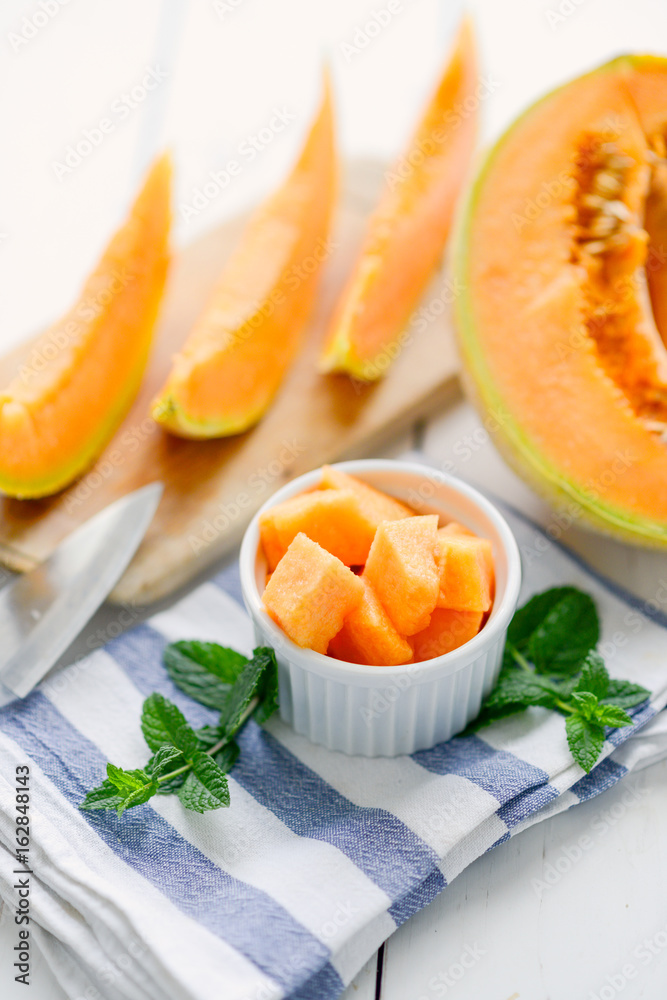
x=222, y=67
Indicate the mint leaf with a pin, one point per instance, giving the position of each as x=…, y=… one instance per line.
x=221, y=661
x=105, y=796
x=585, y=703
x=203, y=670
x=268, y=690
x=585, y=739
x=612, y=715
x=134, y=787
x=126, y=781
x=138, y=797
x=523, y=689
x=594, y=676
x=528, y=618
x=166, y=759
x=162, y=722
x=550, y=660
x=625, y=695
x=206, y=785
x=208, y=736
x=567, y=633
x=247, y=686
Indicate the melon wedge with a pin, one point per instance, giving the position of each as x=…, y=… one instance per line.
x=408, y=230
x=447, y=630
x=310, y=594
x=376, y=505
x=332, y=518
x=562, y=318
x=368, y=635
x=404, y=570
x=56, y=417
x=466, y=575
x=236, y=356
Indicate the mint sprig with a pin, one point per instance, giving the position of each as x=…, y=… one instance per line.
x=550, y=661
x=187, y=762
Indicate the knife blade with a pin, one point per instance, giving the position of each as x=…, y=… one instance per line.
x=44, y=610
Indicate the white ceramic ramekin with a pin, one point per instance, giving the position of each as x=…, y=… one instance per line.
x=386, y=711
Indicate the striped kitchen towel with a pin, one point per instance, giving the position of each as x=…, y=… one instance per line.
x=320, y=856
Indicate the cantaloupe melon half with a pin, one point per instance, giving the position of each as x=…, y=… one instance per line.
x=67, y=400
x=236, y=356
x=562, y=348
x=407, y=232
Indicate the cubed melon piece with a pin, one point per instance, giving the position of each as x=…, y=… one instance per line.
x=447, y=630
x=403, y=570
x=376, y=505
x=310, y=593
x=332, y=518
x=456, y=528
x=368, y=635
x=466, y=580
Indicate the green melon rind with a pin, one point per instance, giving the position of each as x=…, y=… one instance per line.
x=516, y=446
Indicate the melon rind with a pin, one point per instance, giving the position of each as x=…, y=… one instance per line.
x=514, y=443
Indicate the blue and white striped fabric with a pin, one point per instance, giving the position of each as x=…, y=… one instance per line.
x=320, y=856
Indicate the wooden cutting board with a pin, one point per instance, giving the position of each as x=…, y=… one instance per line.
x=212, y=488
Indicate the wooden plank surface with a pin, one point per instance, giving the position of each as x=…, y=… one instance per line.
x=213, y=487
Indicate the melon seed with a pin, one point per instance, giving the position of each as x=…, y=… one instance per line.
x=602, y=226
x=619, y=162
x=619, y=240
x=595, y=246
x=619, y=210
x=606, y=185
x=658, y=143
x=594, y=202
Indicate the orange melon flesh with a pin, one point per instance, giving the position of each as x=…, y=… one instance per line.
x=237, y=354
x=466, y=577
x=368, y=635
x=447, y=630
x=403, y=570
x=334, y=519
x=558, y=340
x=376, y=505
x=407, y=232
x=310, y=593
x=57, y=417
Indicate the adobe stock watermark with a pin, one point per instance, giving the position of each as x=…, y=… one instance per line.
x=246, y=322
x=572, y=854
x=121, y=109
x=223, y=8
x=127, y=445
x=246, y=151
x=367, y=31
x=440, y=984
x=561, y=12
x=562, y=185
x=257, y=486
x=111, y=971
x=452, y=120
x=569, y=513
x=298, y=963
x=33, y=24
x=419, y=321
x=644, y=954
x=127, y=616
x=64, y=333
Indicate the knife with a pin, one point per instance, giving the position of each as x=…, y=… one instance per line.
x=44, y=610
